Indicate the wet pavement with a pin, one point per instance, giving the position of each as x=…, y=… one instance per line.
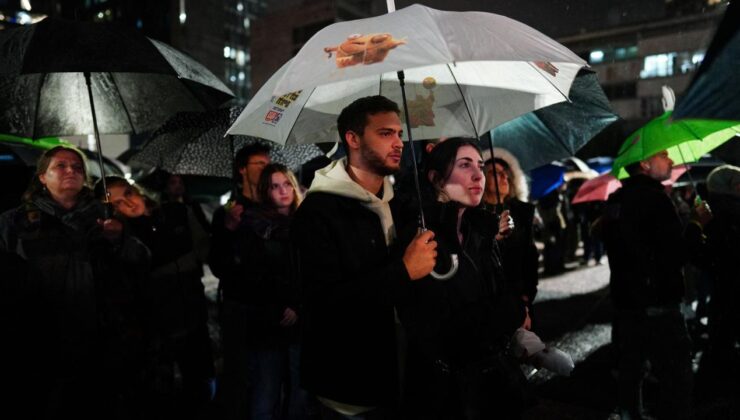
x=573, y=312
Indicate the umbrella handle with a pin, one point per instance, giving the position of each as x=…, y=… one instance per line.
x=448, y=275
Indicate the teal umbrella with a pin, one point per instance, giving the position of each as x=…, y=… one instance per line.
x=685, y=140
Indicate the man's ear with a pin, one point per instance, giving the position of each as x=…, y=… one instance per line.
x=352, y=139
x=242, y=170
x=645, y=165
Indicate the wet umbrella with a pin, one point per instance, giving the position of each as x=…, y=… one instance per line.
x=193, y=143
x=558, y=131
x=601, y=187
x=685, y=140
x=714, y=91
x=63, y=78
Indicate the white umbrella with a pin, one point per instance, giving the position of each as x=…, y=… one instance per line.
x=466, y=73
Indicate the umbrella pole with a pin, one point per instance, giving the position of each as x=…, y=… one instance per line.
x=688, y=171
x=454, y=259
x=97, y=139
x=495, y=175
x=401, y=78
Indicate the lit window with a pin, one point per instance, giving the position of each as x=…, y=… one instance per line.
x=659, y=65
x=239, y=7
x=246, y=23
x=596, y=56
x=697, y=58
x=232, y=78
x=241, y=75
x=227, y=52
x=233, y=53
x=240, y=58
x=183, y=17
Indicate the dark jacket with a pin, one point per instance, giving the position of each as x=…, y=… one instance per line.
x=274, y=286
x=351, y=284
x=71, y=303
x=178, y=246
x=227, y=258
x=723, y=249
x=647, y=245
x=463, y=319
x=519, y=254
x=458, y=330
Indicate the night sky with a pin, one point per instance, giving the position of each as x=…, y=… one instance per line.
x=558, y=18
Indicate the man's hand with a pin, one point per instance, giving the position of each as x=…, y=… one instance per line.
x=527, y=324
x=233, y=216
x=112, y=229
x=421, y=255
x=289, y=318
x=505, y=225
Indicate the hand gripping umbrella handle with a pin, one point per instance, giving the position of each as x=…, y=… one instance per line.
x=448, y=275
x=454, y=266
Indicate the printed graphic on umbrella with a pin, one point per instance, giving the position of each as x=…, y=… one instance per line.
x=599, y=188
x=363, y=49
x=685, y=140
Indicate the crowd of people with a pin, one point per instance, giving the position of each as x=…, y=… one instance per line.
x=334, y=303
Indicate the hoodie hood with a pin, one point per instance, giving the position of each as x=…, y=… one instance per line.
x=519, y=183
x=334, y=179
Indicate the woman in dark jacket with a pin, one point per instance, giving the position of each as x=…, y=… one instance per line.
x=274, y=302
x=69, y=298
x=458, y=330
x=176, y=305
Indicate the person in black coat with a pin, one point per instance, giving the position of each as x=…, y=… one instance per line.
x=177, y=313
x=723, y=243
x=274, y=302
x=518, y=251
x=227, y=260
x=648, y=247
x=70, y=297
x=342, y=234
x=459, y=329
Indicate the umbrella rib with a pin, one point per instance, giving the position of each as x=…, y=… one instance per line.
x=462, y=95
x=38, y=105
x=548, y=81
x=123, y=103
x=298, y=117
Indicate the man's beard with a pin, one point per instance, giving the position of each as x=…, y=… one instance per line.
x=376, y=162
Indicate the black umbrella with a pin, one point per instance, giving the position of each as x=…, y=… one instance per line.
x=557, y=131
x=64, y=78
x=714, y=91
x=192, y=143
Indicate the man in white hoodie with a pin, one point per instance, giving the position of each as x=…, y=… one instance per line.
x=343, y=233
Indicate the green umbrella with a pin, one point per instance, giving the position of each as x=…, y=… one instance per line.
x=685, y=140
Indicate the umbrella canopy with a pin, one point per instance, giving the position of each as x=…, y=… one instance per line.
x=460, y=69
x=194, y=144
x=601, y=164
x=685, y=140
x=558, y=131
x=601, y=187
x=545, y=179
x=714, y=91
x=136, y=82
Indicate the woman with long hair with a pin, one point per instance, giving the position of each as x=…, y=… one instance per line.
x=458, y=330
x=176, y=310
x=274, y=306
x=70, y=294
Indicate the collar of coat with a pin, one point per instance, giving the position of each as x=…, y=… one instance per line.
x=334, y=179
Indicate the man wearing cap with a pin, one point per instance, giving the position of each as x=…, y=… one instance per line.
x=648, y=247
